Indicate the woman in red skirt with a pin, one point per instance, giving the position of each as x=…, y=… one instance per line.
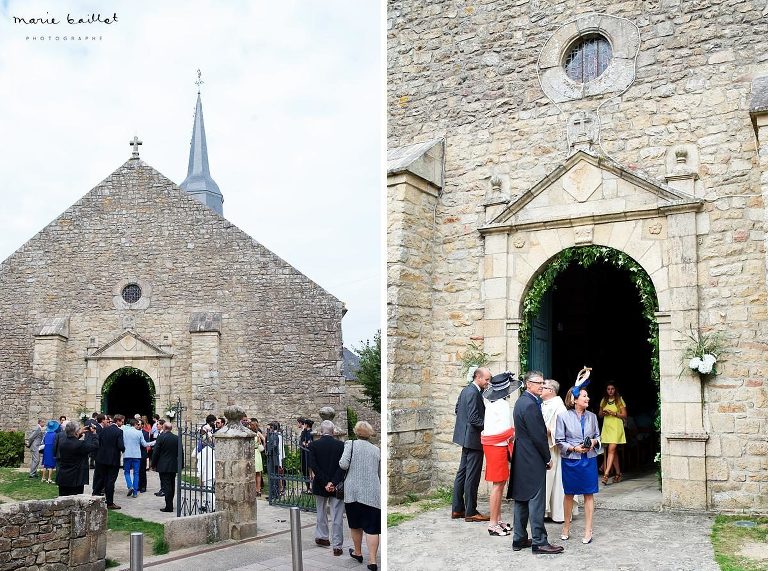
x=497, y=437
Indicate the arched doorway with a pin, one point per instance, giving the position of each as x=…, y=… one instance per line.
x=595, y=306
x=128, y=391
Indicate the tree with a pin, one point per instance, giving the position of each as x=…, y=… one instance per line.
x=369, y=373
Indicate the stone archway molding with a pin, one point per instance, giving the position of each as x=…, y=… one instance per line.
x=120, y=372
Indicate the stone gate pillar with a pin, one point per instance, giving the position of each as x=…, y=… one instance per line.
x=235, y=476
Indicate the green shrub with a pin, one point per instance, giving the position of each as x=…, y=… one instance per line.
x=351, y=422
x=11, y=449
x=292, y=462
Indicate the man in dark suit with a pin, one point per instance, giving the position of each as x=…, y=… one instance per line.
x=72, y=472
x=470, y=414
x=165, y=456
x=108, y=459
x=323, y=458
x=530, y=461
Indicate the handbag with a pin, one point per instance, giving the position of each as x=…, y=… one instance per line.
x=339, y=492
x=261, y=448
x=41, y=448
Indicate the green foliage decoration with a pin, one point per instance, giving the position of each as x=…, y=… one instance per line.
x=11, y=448
x=585, y=256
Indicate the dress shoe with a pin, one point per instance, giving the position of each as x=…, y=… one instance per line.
x=113, y=507
x=373, y=567
x=547, y=548
x=457, y=515
x=130, y=493
x=517, y=546
x=166, y=510
x=160, y=493
x=337, y=551
x=323, y=542
x=478, y=517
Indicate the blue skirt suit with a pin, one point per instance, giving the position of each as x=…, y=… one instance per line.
x=49, y=458
x=579, y=469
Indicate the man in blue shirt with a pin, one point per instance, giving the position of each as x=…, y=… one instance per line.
x=133, y=440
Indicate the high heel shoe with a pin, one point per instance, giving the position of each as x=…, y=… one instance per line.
x=587, y=540
x=617, y=478
x=605, y=480
x=373, y=567
x=358, y=558
x=504, y=525
x=498, y=531
x=564, y=535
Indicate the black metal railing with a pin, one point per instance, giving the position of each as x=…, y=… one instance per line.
x=287, y=469
x=196, y=481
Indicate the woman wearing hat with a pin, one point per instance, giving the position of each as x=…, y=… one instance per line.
x=49, y=453
x=578, y=438
x=496, y=439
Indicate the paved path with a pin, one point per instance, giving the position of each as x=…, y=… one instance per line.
x=271, y=549
x=623, y=540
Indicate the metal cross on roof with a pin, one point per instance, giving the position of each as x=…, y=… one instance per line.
x=199, y=81
x=135, y=144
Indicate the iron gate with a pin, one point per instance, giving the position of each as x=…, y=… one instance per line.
x=287, y=469
x=196, y=481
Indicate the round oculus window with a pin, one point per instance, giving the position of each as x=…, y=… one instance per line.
x=588, y=58
x=131, y=293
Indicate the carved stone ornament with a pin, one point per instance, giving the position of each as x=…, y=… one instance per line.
x=518, y=242
x=583, y=234
x=655, y=228
x=234, y=414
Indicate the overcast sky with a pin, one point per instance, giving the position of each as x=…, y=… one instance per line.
x=292, y=102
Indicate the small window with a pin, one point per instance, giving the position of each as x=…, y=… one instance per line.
x=131, y=293
x=588, y=58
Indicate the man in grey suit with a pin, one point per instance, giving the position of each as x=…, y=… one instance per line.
x=34, y=441
x=470, y=414
x=530, y=462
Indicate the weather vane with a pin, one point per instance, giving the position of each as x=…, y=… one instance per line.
x=199, y=81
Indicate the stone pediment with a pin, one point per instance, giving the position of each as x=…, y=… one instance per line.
x=589, y=189
x=129, y=345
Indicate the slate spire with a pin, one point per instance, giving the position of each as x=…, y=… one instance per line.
x=199, y=182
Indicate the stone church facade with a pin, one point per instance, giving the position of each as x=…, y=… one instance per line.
x=506, y=150
x=141, y=293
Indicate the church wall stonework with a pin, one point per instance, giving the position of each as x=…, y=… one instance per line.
x=468, y=73
x=278, y=353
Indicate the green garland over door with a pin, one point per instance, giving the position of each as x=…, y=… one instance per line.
x=585, y=256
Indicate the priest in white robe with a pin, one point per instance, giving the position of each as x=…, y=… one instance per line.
x=551, y=406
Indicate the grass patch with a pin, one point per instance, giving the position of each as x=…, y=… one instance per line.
x=394, y=519
x=415, y=505
x=154, y=531
x=111, y=563
x=19, y=486
x=728, y=540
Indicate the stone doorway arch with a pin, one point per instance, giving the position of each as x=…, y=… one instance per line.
x=590, y=201
x=128, y=391
x=595, y=305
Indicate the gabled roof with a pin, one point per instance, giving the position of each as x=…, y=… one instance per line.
x=590, y=188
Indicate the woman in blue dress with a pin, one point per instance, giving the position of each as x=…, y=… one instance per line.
x=578, y=456
x=49, y=453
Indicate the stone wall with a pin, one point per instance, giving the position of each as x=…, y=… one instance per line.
x=468, y=72
x=278, y=349
x=64, y=534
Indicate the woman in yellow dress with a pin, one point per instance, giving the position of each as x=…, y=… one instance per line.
x=613, y=411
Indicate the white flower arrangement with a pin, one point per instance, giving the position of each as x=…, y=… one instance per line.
x=702, y=354
x=170, y=413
